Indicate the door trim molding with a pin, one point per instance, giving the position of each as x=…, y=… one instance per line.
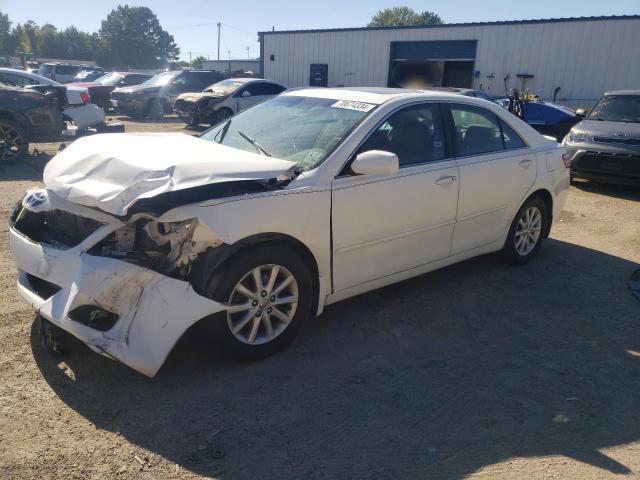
x=389, y=238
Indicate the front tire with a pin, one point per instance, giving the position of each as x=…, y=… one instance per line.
x=269, y=291
x=526, y=232
x=220, y=116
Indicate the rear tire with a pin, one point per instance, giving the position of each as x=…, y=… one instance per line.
x=526, y=232
x=271, y=318
x=14, y=142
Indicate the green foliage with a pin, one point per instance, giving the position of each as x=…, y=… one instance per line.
x=129, y=37
x=402, y=17
x=196, y=63
x=132, y=36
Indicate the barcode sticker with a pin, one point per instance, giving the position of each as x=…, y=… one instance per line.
x=353, y=105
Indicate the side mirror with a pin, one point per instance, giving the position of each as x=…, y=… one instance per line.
x=245, y=94
x=581, y=112
x=375, y=162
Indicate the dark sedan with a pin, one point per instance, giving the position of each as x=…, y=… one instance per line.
x=100, y=89
x=27, y=115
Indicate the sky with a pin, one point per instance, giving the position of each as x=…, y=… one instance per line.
x=193, y=22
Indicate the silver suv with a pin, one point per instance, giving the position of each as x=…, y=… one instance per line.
x=605, y=146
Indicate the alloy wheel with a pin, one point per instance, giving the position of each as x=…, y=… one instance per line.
x=262, y=304
x=11, y=142
x=528, y=231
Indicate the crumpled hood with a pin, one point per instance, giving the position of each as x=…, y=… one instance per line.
x=113, y=170
x=195, y=96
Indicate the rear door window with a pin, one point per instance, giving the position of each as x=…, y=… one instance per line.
x=477, y=131
x=511, y=139
x=15, y=80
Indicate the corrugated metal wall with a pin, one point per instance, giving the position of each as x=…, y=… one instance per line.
x=584, y=58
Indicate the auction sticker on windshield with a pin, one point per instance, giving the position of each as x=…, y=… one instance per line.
x=353, y=105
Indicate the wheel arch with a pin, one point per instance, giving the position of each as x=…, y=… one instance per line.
x=215, y=258
x=547, y=198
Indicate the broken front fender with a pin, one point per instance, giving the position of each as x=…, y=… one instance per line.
x=153, y=310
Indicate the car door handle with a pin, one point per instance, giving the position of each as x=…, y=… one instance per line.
x=525, y=163
x=446, y=180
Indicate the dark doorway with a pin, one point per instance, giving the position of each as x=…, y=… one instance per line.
x=457, y=74
x=437, y=63
x=318, y=75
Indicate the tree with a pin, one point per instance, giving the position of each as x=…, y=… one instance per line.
x=196, y=64
x=402, y=17
x=5, y=34
x=133, y=37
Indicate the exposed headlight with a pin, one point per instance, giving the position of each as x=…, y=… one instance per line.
x=578, y=137
x=163, y=247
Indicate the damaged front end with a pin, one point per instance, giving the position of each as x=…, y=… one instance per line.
x=119, y=285
x=168, y=248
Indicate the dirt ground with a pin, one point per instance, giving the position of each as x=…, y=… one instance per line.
x=479, y=370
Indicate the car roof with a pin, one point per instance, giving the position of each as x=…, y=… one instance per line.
x=33, y=76
x=376, y=95
x=623, y=92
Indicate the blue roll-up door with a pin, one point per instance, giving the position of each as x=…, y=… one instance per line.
x=434, y=50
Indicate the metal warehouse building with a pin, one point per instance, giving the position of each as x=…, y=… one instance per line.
x=573, y=60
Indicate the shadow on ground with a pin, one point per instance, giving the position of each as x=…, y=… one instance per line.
x=617, y=191
x=435, y=377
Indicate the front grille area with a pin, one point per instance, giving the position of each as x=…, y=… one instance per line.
x=57, y=228
x=612, y=164
x=621, y=140
x=42, y=288
x=184, y=106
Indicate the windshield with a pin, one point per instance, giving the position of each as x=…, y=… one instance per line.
x=161, y=79
x=617, y=108
x=110, y=79
x=224, y=88
x=300, y=129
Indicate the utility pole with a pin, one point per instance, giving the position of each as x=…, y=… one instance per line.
x=189, y=58
x=247, y=49
x=229, y=60
x=219, y=24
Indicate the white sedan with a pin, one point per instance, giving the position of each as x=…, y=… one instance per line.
x=79, y=108
x=306, y=199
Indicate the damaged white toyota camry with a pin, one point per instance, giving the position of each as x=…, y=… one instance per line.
x=301, y=201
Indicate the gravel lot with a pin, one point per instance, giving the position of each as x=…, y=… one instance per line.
x=478, y=370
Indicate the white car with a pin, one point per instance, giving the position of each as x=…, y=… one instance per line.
x=79, y=110
x=221, y=100
x=306, y=199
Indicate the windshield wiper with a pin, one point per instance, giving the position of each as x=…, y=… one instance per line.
x=223, y=132
x=254, y=143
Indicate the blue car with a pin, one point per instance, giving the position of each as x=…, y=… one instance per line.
x=546, y=118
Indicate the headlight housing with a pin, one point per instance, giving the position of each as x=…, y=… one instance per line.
x=578, y=137
x=168, y=247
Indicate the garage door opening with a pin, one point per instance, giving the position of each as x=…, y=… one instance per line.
x=446, y=63
x=431, y=73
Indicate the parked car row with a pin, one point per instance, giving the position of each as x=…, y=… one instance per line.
x=197, y=96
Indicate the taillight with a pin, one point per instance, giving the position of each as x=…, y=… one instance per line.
x=566, y=158
x=85, y=97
